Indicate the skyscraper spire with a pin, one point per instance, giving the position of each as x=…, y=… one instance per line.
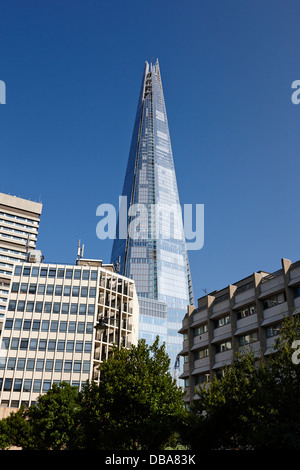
x=154, y=252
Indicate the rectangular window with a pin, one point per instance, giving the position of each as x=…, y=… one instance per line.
x=65, y=308
x=56, y=307
x=85, y=274
x=21, y=363
x=79, y=346
x=39, y=364
x=58, y=365
x=21, y=306
x=30, y=364
x=69, y=273
x=37, y=384
x=77, y=274
x=50, y=289
x=44, y=272
x=24, y=344
x=18, y=270
x=92, y=291
x=51, y=345
x=62, y=326
x=38, y=307
x=35, y=272
x=91, y=309
x=87, y=346
x=33, y=344
x=89, y=328
x=9, y=324
x=29, y=306
x=72, y=327
x=77, y=366
x=52, y=272
x=42, y=345
x=60, y=345
x=12, y=305
x=23, y=288
x=47, y=307
x=41, y=289
x=68, y=366
x=18, y=324
x=86, y=366
x=54, y=325
x=32, y=288
x=74, y=309
x=94, y=275
x=27, y=325
x=274, y=300
x=82, y=309
x=80, y=327
x=26, y=271
x=27, y=385
x=14, y=343
x=67, y=290
x=75, y=291
x=7, y=385
x=70, y=346
x=36, y=325
x=45, y=325
x=60, y=273
x=49, y=365
x=15, y=287
x=58, y=290
x=84, y=292
x=11, y=364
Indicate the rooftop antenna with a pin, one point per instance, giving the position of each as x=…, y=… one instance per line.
x=78, y=250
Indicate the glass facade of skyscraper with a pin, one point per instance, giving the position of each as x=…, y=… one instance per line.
x=153, y=250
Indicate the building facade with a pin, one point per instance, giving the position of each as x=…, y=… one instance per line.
x=19, y=224
x=150, y=245
x=60, y=323
x=248, y=312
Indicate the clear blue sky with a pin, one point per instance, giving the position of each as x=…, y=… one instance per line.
x=73, y=71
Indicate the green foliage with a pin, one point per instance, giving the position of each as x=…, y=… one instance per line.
x=138, y=403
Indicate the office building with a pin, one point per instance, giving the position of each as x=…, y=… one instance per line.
x=152, y=249
x=19, y=224
x=60, y=324
x=248, y=312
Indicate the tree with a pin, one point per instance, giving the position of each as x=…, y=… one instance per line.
x=137, y=404
x=255, y=405
x=53, y=420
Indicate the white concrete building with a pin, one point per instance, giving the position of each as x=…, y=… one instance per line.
x=61, y=321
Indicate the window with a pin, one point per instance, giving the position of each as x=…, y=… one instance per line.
x=68, y=366
x=84, y=292
x=82, y=309
x=42, y=345
x=18, y=324
x=77, y=366
x=7, y=385
x=12, y=305
x=21, y=306
x=201, y=353
x=273, y=330
x=200, y=330
x=221, y=347
x=79, y=346
x=27, y=325
x=24, y=344
x=54, y=325
x=33, y=344
x=77, y=274
x=69, y=273
x=44, y=272
x=274, y=300
x=29, y=306
x=51, y=345
x=67, y=290
x=222, y=321
x=70, y=346
x=41, y=289
x=39, y=364
x=36, y=325
x=50, y=289
x=65, y=308
x=14, y=343
x=296, y=292
x=246, y=312
x=49, y=365
x=21, y=364
x=85, y=274
x=11, y=364
x=58, y=365
x=8, y=324
x=74, y=309
x=61, y=273
x=89, y=328
x=56, y=307
x=52, y=272
x=32, y=288
x=249, y=338
x=75, y=291
x=18, y=270
x=24, y=288
x=91, y=309
x=94, y=275
x=86, y=366
x=15, y=287
x=62, y=326
x=88, y=346
x=46, y=385
x=60, y=345
x=27, y=385
x=58, y=290
x=35, y=272
x=38, y=307
x=37, y=384
x=93, y=292
x=47, y=307
x=72, y=327
x=26, y=271
x=30, y=364
x=45, y=325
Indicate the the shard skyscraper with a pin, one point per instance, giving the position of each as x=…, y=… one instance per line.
x=150, y=244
